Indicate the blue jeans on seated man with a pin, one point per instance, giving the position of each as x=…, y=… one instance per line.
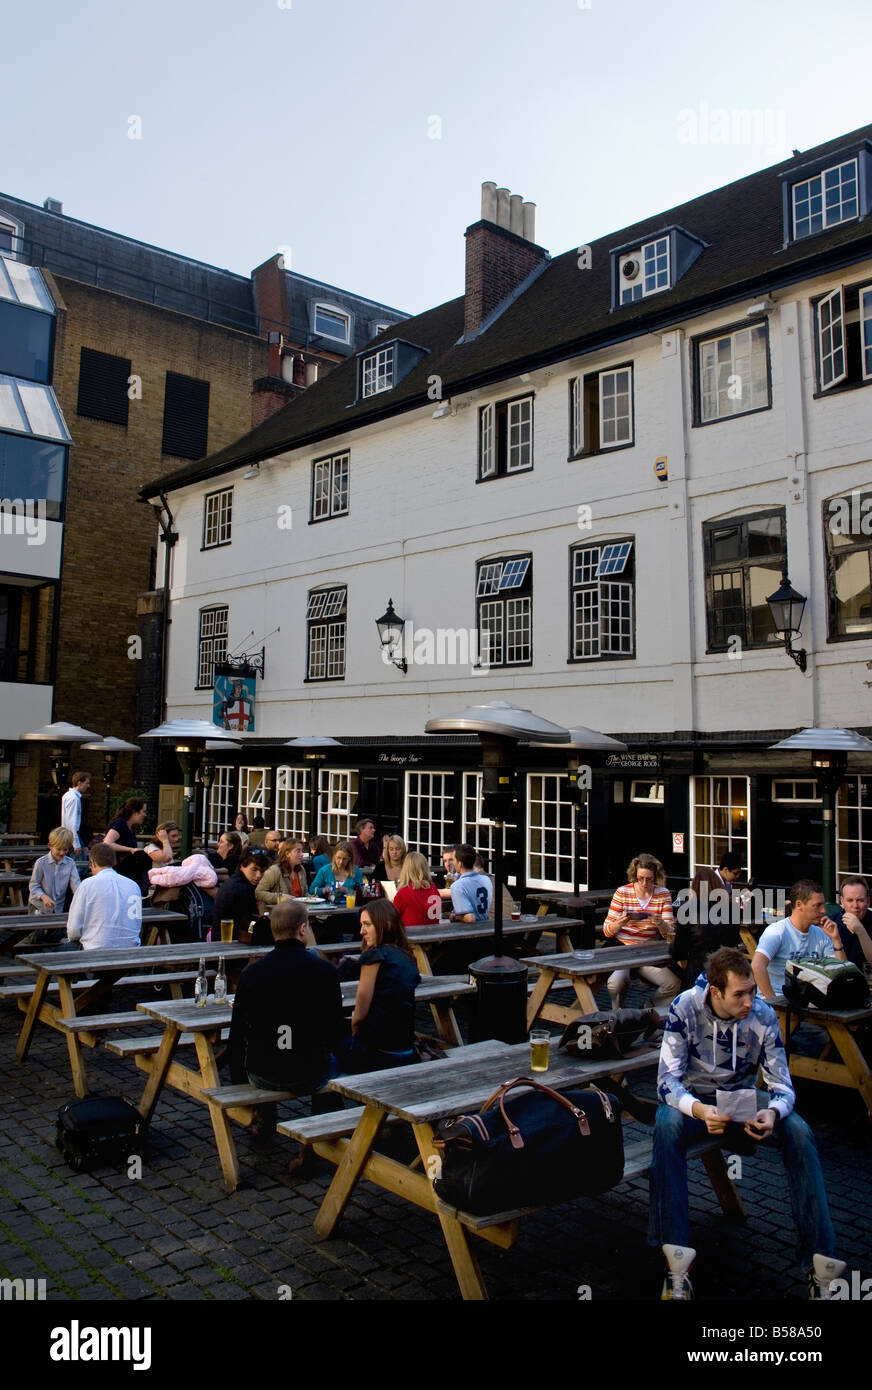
x=669, y=1213
x=357, y=1056
x=323, y=1102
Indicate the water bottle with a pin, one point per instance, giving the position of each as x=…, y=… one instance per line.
x=220, y=985
x=201, y=987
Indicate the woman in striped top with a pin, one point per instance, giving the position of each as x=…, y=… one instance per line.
x=639, y=915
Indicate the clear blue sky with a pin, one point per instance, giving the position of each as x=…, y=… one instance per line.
x=310, y=126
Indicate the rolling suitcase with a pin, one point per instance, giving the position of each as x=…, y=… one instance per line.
x=99, y=1132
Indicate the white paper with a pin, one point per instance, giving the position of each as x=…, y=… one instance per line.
x=739, y=1105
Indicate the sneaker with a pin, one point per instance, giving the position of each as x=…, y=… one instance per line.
x=676, y=1284
x=820, y=1277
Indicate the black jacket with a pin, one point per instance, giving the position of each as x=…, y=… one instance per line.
x=235, y=898
x=287, y=1018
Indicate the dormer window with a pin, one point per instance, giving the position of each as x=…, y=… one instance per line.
x=816, y=198
x=331, y=322
x=645, y=271
x=378, y=372
x=653, y=266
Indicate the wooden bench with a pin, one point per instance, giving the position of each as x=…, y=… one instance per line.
x=637, y=1164
x=241, y=1102
x=160, y=978
x=140, y=1046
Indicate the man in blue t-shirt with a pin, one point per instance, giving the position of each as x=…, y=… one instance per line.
x=806, y=932
x=471, y=893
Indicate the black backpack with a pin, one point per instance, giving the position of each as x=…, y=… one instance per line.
x=99, y=1132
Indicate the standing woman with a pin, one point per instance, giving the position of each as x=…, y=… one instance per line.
x=641, y=915
x=383, y=1022
x=122, y=830
x=417, y=901
x=54, y=875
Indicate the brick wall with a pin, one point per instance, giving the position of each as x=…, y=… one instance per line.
x=496, y=262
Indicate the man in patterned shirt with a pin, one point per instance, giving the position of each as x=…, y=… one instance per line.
x=716, y=1036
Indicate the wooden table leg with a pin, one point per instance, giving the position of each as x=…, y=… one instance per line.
x=422, y=960
x=220, y=1118
x=25, y=1037
x=722, y=1185
x=537, y=998
x=74, y=1047
x=446, y=1023
x=462, y=1255
x=853, y=1058
x=564, y=941
x=157, y=1070
x=584, y=994
x=349, y=1169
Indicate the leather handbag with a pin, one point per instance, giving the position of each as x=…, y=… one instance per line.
x=608, y=1034
x=530, y=1149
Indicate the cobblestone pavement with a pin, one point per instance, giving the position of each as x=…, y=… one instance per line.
x=174, y=1234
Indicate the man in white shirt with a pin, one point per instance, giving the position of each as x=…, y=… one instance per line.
x=106, y=913
x=806, y=932
x=71, y=806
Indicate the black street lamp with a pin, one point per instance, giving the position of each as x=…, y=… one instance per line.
x=500, y=1004
x=61, y=736
x=390, y=630
x=787, y=608
x=190, y=737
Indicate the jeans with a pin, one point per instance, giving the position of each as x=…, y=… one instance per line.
x=669, y=1214
x=668, y=984
x=323, y=1102
x=356, y=1056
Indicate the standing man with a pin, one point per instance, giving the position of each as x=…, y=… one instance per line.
x=706, y=919
x=106, y=911
x=806, y=932
x=363, y=848
x=472, y=892
x=71, y=807
x=716, y=1036
x=854, y=921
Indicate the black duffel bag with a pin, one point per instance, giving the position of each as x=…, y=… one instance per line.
x=533, y=1149
x=99, y=1132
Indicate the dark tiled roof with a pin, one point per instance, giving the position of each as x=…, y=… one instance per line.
x=566, y=311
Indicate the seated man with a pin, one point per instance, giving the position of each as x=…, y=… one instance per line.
x=287, y=1017
x=106, y=911
x=472, y=892
x=806, y=932
x=854, y=921
x=716, y=1036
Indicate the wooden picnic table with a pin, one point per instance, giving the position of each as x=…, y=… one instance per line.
x=12, y=888
x=851, y=1067
x=426, y=941
x=206, y=1024
x=421, y=1096
x=584, y=969
x=10, y=857
x=155, y=922
x=109, y=967
x=17, y=836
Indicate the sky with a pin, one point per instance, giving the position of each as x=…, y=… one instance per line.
x=354, y=135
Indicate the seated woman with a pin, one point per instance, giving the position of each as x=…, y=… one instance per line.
x=389, y=867
x=319, y=848
x=417, y=900
x=228, y=852
x=339, y=878
x=241, y=826
x=640, y=915
x=54, y=876
x=286, y=878
x=383, y=1022
x=122, y=830
x=164, y=844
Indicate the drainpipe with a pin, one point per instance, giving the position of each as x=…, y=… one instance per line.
x=169, y=537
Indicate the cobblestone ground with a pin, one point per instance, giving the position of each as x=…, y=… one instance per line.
x=174, y=1234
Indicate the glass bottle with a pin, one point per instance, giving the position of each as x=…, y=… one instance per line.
x=201, y=987
x=220, y=986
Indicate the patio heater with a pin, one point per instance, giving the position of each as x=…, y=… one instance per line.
x=190, y=737
x=205, y=775
x=829, y=750
x=110, y=748
x=314, y=749
x=61, y=736
x=499, y=1005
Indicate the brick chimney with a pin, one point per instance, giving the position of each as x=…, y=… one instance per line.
x=500, y=253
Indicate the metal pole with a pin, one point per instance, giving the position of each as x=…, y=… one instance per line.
x=828, y=845
x=499, y=868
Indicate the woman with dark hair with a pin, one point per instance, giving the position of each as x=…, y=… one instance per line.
x=122, y=830
x=383, y=1022
x=228, y=853
x=240, y=825
x=319, y=847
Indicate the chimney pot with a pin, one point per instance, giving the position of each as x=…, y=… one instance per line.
x=53, y=205
x=529, y=232
x=489, y=202
x=503, y=208
x=516, y=214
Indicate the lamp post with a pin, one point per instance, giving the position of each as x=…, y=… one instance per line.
x=314, y=750
x=190, y=737
x=205, y=775
x=110, y=748
x=390, y=630
x=787, y=608
x=499, y=1007
x=829, y=750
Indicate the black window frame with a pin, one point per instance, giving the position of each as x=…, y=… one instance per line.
x=745, y=562
x=852, y=339
x=585, y=586
x=727, y=331
x=522, y=591
x=501, y=437
x=116, y=411
x=216, y=545
x=590, y=411
x=863, y=543
x=212, y=638
x=331, y=460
